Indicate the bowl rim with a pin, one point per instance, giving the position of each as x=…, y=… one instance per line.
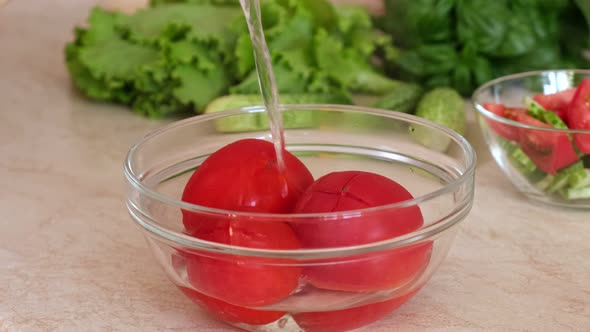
x=153, y=226
x=513, y=77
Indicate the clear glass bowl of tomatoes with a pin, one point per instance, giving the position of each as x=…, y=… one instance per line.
x=537, y=126
x=353, y=227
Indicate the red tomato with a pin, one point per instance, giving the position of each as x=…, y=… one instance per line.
x=229, y=312
x=243, y=176
x=242, y=280
x=550, y=151
x=557, y=103
x=348, y=319
x=507, y=131
x=343, y=191
x=579, y=115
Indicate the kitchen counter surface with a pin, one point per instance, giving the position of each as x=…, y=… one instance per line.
x=72, y=260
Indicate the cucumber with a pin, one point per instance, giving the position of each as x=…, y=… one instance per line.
x=576, y=193
x=580, y=178
x=538, y=112
x=522, y=161
x=545, y=182
x=403, y=98
x=444, y=106
x=561, y=180
x=259, y=121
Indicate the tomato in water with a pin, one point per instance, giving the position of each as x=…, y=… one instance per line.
x=231, y=313
x=557, y=103
x=349, y=319
x=243, y=280
x=243, y=176
x=507, y=131
x=579, y=115
x=550, y=151
x=352, y=190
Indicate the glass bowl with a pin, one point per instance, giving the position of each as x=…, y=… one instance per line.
x=542, y=163
x=335, y=288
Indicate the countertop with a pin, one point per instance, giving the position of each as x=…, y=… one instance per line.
x=72, y=260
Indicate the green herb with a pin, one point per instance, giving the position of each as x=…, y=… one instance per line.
x=465, y=43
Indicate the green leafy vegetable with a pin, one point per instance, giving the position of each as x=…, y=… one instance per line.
x=403, y=98
x=179, y=55
x=464, y=43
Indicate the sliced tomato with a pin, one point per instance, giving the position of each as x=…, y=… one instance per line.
x=579, y=115
x=349, y=319
x=550, y=151
x=231, y=313
x=557, y=103
x=507, y=131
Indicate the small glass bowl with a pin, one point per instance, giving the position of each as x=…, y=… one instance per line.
x=308, y=289
x=512, y=91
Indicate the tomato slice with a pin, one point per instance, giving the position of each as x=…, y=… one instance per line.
x=351, y=190
x=231, y=313
x=351, y=318
x=245, y=280
x=557, y=103
x=550, y=151
x=505, y=130
x=579, y=115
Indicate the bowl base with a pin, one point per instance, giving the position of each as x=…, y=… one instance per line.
x=544, y=200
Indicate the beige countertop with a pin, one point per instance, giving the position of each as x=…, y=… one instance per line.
x=72, y=260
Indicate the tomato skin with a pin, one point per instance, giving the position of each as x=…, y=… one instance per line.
x=351, y=318
x=231, y=313
x=350, y=190
x=507, y=131
x=579, y=115
x=243, y=176
x=557, y=103
x=550, y=151
x=243, y=280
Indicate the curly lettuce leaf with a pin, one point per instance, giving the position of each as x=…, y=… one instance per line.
x=198, y=87
x=202, y=22
x=117, y=59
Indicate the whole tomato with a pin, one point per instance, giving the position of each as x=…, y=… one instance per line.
x=353, y=190
x=245, y=280
x=243, y=176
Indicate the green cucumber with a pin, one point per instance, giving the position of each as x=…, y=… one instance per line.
x=545, y=182
x=444, y=106
x=561, y=180
x=259, y=121
x=580, y=178
x=403, y=98
x=538, y=112
x=576, y=193
x=522, y=161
